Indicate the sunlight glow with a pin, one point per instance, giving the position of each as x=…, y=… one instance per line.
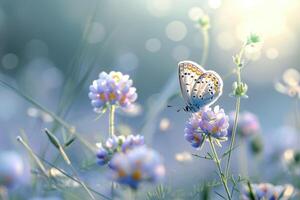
x=273, y=20
x=159, y=8
x=214, y=4
x=195, y=13
x=268, y=17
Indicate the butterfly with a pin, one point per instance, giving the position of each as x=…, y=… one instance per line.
x=199, y=87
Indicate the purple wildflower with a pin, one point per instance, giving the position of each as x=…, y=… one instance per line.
x=112, y=89
x=141, y=164
x=103, y=156
x=206, y=122
x=132, y=141
x=192, y=132
x=214, y=122
x=248, y=124
x=117, y=144
x=108, y=149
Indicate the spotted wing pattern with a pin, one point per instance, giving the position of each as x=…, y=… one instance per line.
x=207, y=89
x=189, y=72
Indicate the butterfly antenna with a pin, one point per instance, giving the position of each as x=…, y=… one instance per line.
x=178, y=110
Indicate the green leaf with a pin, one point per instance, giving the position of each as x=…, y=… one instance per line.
x=71, y=177
x=36, y=104
x=211, y=156
x=70, y=141
x=233, y=180
x=251, y=194
x=52, y=139
x=253, y=39
x=220, y=195
x=281, y=194
x=204, y=157
x=69, y=128
x=160, y=193
x=64, y=134
x=218, y=143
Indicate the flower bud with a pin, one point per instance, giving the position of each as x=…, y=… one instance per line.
x=257, y=145
x=239, y=90
x=204, y=22
x=253, y=39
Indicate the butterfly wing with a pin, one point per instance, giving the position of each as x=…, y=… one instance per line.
x=189, y=72
x=207, y=89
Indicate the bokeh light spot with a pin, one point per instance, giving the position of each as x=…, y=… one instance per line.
x=159, y=8
x=164, y=124
x=52, y=77
x=272, y=53
x=176, y=31
x=153, y=45
x=195, y=13
x=10, y=61
x=128, y=61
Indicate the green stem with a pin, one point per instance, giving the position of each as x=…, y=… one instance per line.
x=237, y=110
x=69, y=163
x=84, y=186
x=112, y=121
x=70, y=176
x=218, y=163
x=71, y=129
x=34, y=157
x=205, y=46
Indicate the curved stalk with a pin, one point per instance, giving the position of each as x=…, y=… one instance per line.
x=236, y=118
x=112, y=121
x=218, y=164
x=237, y=108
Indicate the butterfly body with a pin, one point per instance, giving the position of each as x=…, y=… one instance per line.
x=199, y=87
